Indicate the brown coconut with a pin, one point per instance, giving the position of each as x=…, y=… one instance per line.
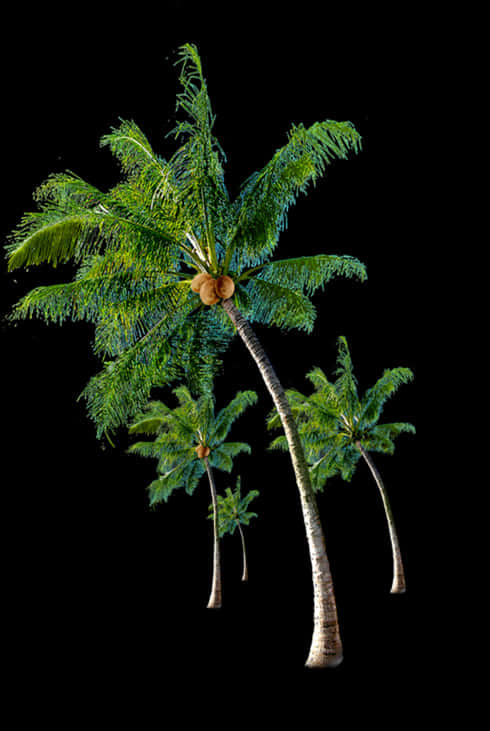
x=198, y=281
x=208, y=293
x=202, y=451
x=224, y=287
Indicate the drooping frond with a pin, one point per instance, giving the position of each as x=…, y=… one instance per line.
x=222, y=456
x=380, y=437
x=267, y=195
x=133, y=150
x=308, y=273
x=376, y=397
x=272, y=304
x=228, y=415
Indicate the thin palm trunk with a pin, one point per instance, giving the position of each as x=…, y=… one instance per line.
x=326, y=646
x=215, y=595
x=398, y=586
x=244, y=553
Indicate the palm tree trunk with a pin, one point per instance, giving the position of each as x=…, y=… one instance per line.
x=215, y=595
x=244, y=553
x=398, y=586
x=326, y=646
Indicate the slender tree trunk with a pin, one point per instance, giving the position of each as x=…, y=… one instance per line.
x=326, y=646
x=215, y=595
x=398, y=586
x=244, y=553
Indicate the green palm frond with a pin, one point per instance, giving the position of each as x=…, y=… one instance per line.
x=376, y=397
x=267, y=195
x=380, y=438
x=308, y=273
x=228, y=415
x=346, y=382
x=280, y=306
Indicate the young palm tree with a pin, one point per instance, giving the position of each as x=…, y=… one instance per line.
x=338, y=427
x=158, y=252
x=232, y=514
x=189, y=442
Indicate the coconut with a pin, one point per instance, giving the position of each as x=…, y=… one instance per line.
x=202, y=451
x=198, y=281
x=224, y=287
x=208, y=293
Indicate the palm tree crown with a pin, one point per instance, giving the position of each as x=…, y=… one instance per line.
x=233, y=509
x=186, y=434
x=334, y=419
x=138, y=247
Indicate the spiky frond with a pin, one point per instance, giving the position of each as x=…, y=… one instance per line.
x=376, y=397
x=267, y=195
x=228, y=415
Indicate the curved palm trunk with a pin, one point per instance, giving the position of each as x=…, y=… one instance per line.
x=398, y=586
x=244, y=553
x=326, y=646
x=215, y=595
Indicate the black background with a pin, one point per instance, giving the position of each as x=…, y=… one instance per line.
x=106, y=598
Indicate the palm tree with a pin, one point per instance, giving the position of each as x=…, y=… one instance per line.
x=189, y=442
x=157, y=253
x=338, y=426
x=232, y=514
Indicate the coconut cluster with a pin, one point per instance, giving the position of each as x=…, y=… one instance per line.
x=202, y=451
x=212, y=290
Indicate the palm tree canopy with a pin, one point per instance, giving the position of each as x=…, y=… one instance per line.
x=180, y=430
x=334, y=418
x=137, y=247
x=233, y=509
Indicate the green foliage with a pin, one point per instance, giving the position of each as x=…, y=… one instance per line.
x=333, y=419
x=233, y=509
x=178, y=431
x=137, y=246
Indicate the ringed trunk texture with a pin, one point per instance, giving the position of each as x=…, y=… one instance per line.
x=244, y=553
x=326, y=645
x=215, y=595
x=398, y=586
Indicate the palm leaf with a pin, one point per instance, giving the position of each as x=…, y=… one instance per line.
x=375, y=397
x=267, y=195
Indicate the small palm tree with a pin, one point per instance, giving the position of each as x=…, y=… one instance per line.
x=338, y=427
x=189, y=442
x=233, y=513
x=158, y=252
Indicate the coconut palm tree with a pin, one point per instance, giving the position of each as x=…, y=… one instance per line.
x=169, y=269
x=189, y=442
x=338, y=427
x=232, y=514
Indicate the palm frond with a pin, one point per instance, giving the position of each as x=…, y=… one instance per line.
x=346, y=382
x=376, y=397
x=280, y=306
x=267, y=195
x=308, y=273
x=230, y=413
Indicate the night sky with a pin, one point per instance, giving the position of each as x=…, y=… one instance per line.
x=94, y=574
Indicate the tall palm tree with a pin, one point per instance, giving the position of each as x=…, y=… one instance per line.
x=158, y=252
x=233, y=513
x=338, y=427
x=189, y=442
